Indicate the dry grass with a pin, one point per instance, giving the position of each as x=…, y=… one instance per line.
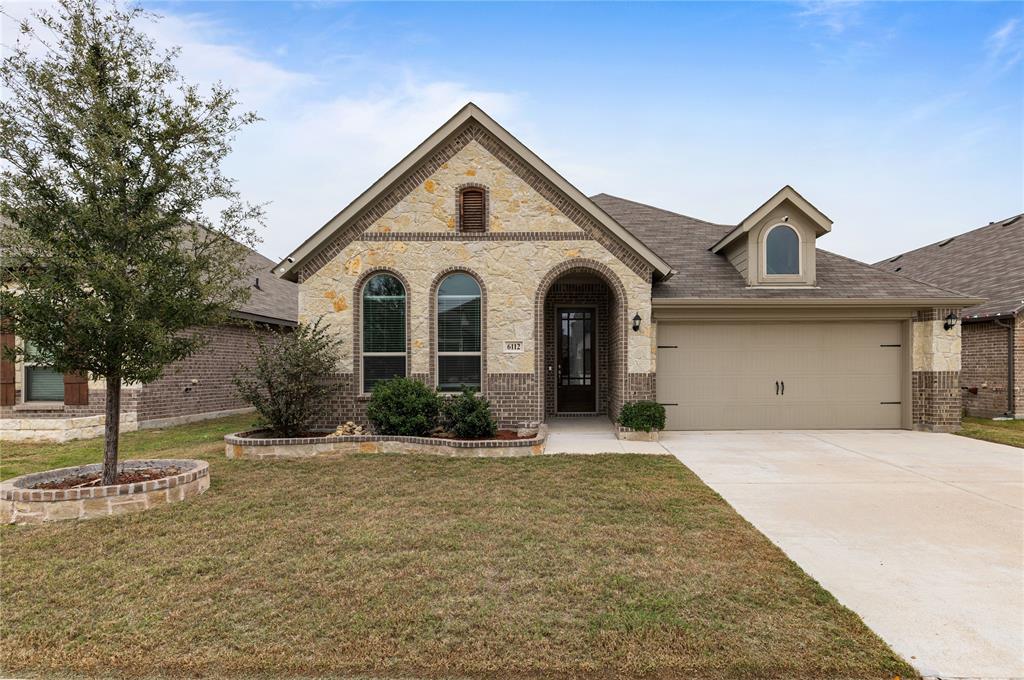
x=1010, y=432
x=387, y=565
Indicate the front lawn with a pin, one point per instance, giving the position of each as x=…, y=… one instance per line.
x=392, y=565
x=1010, y=432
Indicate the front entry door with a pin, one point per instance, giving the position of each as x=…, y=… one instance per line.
x=576, y=380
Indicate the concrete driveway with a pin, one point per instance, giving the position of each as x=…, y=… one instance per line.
x=921, y=534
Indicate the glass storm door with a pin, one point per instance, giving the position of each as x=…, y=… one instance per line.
x=576, y=380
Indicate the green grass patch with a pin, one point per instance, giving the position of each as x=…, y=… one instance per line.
x=1009, y=432
x=416, y=566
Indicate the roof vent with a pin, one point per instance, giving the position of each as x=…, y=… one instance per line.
x=896, y=258
x=899, y=269
x=1011, y=221
x=947, y=241
x=257, y=284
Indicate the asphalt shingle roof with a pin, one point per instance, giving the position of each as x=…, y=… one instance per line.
x=684, y=243
x=987, y=262
x=275, y=298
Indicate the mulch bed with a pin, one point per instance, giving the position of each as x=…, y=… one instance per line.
x=96, y=478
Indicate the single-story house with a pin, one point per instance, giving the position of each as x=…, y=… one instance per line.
x=39, y=404
x=474, y=263
x=988, y=263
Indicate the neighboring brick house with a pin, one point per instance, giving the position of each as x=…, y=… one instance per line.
x=39, y=404
x=474, y=263
x=988, y=263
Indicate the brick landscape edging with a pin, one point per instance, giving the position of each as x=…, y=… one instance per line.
x=241, y=445
x=22, y=505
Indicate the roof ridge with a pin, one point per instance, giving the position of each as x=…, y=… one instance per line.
x=889, y=273
x=947, y=239
x=654, y=207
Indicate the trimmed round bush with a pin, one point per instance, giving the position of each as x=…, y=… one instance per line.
x=403, y=406
x=468, y=416
x=642, y=415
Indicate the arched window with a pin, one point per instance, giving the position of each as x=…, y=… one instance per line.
x=782, y=251
x=383, y=314
x=458, y=333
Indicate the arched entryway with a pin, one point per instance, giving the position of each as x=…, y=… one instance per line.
x=582, y=331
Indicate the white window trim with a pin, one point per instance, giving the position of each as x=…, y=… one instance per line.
x=437, y=336
x=796, y=278
x=363, y=354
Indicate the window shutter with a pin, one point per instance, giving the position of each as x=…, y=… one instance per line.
x=76, y=389
x=471, y=203
x=6, y=370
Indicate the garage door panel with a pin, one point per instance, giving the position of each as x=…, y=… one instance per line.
x=723, y=375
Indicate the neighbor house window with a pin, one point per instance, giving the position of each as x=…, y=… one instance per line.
x=383, y=330
x=42, y=383
x=458, y=333
x=472, y=209
x=782, y=251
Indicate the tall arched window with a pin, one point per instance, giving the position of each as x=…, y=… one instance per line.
x=782, y=251
x=458, y=333
x=383, y=314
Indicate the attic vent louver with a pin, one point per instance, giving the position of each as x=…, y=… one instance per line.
x=1011, y=221
x=946, y=242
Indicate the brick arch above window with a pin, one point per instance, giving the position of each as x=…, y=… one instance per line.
x=472, y=208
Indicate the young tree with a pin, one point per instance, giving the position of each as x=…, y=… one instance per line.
x=109, y=157
x=285, y=386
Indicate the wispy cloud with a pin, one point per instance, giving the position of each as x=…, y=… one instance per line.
x=835, y=15
x=1005, y=46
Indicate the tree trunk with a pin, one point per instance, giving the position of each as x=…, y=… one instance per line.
x=112, y=429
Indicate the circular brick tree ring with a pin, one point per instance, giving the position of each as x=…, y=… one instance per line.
x=21, y=504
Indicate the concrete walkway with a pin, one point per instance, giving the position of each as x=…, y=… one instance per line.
x=591, y=434
x=921, y=534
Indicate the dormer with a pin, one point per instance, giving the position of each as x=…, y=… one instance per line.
x=775, y=245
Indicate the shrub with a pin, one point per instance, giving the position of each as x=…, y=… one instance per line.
x=468, y=416
x=642, y=415
x=286, y=386
x=403, y=406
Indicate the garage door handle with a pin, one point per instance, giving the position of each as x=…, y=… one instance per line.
x=776, y=388
x=783, y=388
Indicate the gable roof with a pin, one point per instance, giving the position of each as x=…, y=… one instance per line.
x=987, y=262
x=685, y=243
x=822, y=223
x=468, y=115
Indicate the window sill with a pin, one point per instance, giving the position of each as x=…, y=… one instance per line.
x=40, y=406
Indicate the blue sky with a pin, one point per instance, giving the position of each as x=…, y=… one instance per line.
x=904, y=122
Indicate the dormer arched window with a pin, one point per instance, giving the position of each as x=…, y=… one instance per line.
x=472, y=209
x=782, y=251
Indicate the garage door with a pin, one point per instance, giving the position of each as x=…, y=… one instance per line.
x=736, y=376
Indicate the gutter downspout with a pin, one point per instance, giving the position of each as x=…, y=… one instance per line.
x=1011, y=397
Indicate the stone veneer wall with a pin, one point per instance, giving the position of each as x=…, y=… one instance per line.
x=534, y=235
x=935, y=386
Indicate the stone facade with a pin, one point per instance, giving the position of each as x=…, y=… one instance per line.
x=533, y=240
x=935, y=386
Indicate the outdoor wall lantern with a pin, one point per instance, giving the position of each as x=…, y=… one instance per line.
x=636, y=322
x=950, y=321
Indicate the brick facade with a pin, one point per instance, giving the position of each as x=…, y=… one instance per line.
x=191, y=389
x=937, y=403
x=985, y=371
x=202, y=382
